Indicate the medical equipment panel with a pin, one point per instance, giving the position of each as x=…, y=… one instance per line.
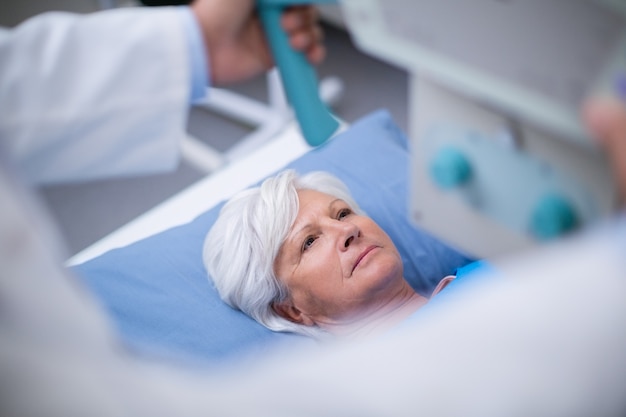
x=501, y=161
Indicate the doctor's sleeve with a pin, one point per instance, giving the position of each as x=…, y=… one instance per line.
x=99, y=95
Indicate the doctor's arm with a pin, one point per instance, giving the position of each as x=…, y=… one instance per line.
x=91, y=96
x=606, y=119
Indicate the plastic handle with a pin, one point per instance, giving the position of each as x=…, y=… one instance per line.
x=298, y=77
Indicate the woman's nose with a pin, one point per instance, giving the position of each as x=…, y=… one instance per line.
x=347, y=234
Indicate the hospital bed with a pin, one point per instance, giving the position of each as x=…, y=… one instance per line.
x=155, y=286
x=149, y=274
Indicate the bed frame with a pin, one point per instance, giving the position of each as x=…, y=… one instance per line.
x=204, y=194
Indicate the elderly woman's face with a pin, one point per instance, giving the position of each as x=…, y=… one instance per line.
x=335, y=263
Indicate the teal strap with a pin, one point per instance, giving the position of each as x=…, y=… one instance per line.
x=298, y=76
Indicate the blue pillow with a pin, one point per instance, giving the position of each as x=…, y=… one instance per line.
x=157, y=292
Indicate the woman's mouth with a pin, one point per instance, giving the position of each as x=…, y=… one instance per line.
x=363, y=255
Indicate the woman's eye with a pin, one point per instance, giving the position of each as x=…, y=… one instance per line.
x=343, y=213
x=307, y=243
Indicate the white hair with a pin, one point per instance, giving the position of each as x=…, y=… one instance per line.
x=241, y=247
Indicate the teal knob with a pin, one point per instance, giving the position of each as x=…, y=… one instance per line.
x=553, y=216
x=450, y=168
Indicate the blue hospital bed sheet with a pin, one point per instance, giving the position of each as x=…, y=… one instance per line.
x=157, y=291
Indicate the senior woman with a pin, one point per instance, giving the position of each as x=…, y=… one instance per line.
x=297, y=254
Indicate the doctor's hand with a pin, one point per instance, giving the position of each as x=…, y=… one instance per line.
x=236, y=46
x=606, y=120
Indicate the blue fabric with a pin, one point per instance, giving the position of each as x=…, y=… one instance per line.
x=465, y=275
x=157, y=290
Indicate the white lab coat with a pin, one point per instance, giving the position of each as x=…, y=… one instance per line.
x=94, y=96
x=81, y=97
x=547, y=341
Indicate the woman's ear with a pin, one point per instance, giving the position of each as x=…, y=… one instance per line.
x=290, y=312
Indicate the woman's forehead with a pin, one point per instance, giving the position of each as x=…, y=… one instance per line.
x=312, y=200
x=308, y=193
